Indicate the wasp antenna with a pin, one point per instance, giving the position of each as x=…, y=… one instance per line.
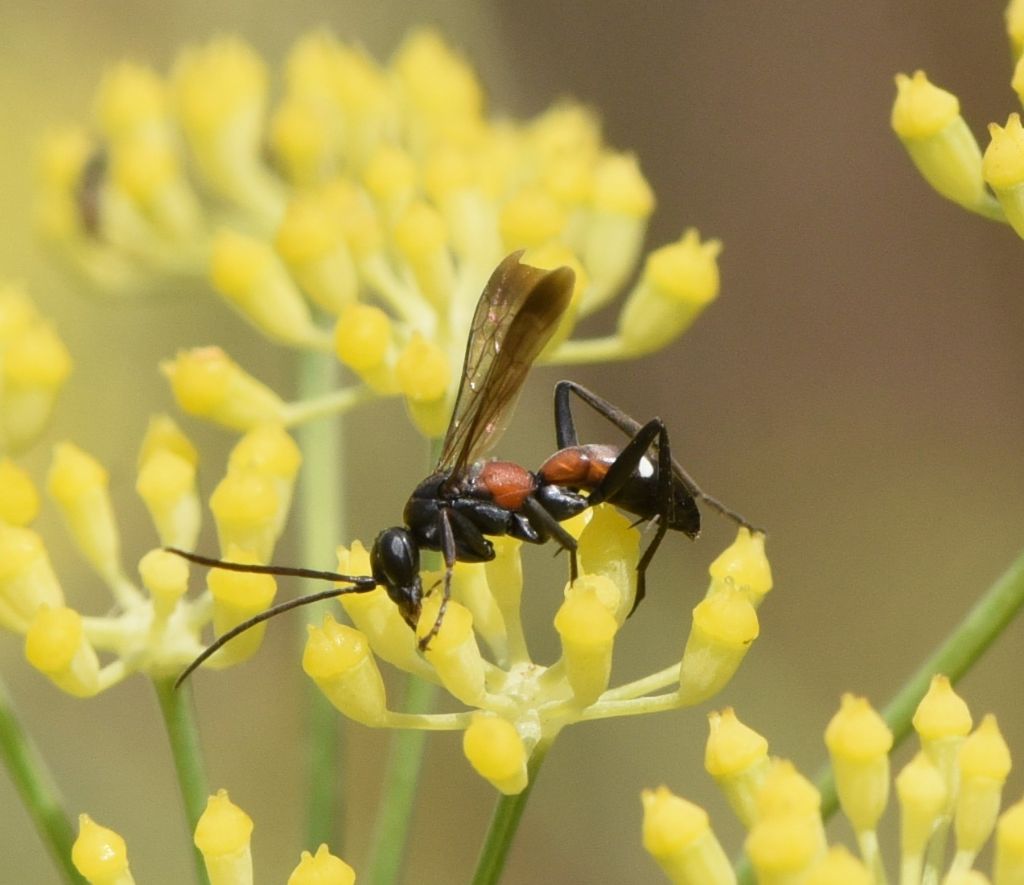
x=359, y=585
x=284, y=571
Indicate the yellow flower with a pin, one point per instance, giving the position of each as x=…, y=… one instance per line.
x=223, y=836
x=927, y=120
x=389, y=195
x=155, y=625
x=953, y=786
x=479, y=654
x=34, y=364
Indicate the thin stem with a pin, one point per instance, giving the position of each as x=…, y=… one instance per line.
x=402, y=772
x=589, y=350
x=39, y=794
x=179, y=720
x=322, y=528
x=398, y=794
x=504, y=824
x=954, y=657
x=323, y=404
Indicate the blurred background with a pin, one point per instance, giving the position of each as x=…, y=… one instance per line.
x=857, y=389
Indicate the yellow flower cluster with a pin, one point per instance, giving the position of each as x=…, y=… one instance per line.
x=360, y=216
x=154, y=627
x=34, y=364
x=480, y=657
x=927, y=120
x=951, y=788
x=222, y=835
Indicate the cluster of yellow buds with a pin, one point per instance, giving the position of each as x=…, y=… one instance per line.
x=360, y=216
x=154, y=627
x=34, y=364
x=951, y=788
x=927, y=120
x=222, y=835
x=518, y=706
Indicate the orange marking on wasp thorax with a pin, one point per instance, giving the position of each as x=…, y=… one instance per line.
x=508, y=484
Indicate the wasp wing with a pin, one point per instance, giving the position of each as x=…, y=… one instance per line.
x=516, y=316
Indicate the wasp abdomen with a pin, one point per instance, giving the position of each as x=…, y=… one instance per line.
x=507, y=484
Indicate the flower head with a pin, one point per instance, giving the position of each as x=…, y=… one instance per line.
x=360, y=215
x=951, y=788
x=479, y=654
x=155, y=625
x=927, y=120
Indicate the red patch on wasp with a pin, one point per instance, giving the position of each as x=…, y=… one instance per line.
x=578, y=467
x=508, y=484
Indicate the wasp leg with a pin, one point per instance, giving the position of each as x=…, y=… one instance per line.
x=623, y=469
x=565, y=429
x=548, y=525
x=449, y=551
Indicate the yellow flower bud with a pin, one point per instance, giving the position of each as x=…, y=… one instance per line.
x=942, y=721
x=35, y=365
x=338, y=659
x=220, y=92
x=928, y=122
x=745, y=563
x=421, y=236
x=1003, y=168
x=783, y=848
x=984, y=765
x=1008, y=866
x=609, y=546
x=923, y=797
x=302, y=139
x=100, y=854
x=222, y=836
x=131, y=101
x=19, y=500
x=423, y=374
x=390, y=176
x=363, y=342
x=246, y=509
x=587, y=628
x=208, y=383
x=453, y=652
x=248, y=272
x=724, y=627
x=312, y=240
x=678, y=282
x=165, y=576
x=322, y=868
x=167, y=484
x=787, y=793
x=269, y=451
x=27, y=581
x=678, y=836
x=237, y=596
x=56, y=646
x=496, y=751
x=531, y=218
x=78, y=484
x=858, y=742
x=1014, y=14
x=163, y=434
x=737, y=758
x=838, y=867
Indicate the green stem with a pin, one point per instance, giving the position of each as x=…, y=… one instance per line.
x=398, y=794
x=178, y=711
x=35, y=785
x=504, y=823
x=401, y=774
x=322, y=529
x=953, y=658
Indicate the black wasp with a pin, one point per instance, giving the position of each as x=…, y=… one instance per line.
x=466, y=499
